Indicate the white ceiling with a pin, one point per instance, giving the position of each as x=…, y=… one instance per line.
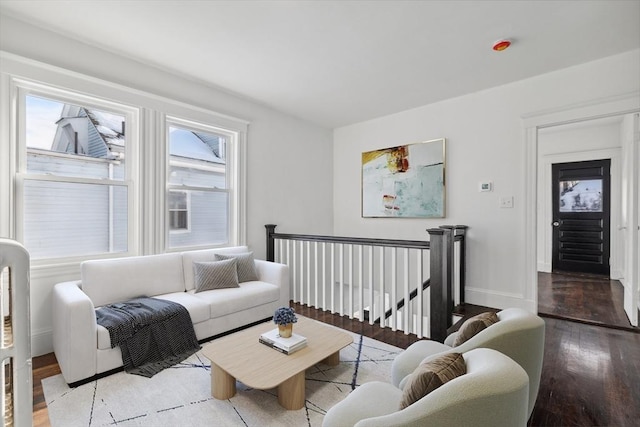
x=340, y=62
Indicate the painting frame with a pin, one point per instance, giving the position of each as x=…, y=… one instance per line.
x=405, y=181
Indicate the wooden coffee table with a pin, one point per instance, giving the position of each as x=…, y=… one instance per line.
x=240, y=356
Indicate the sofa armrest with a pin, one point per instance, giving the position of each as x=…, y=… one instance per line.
x=277, y=274
x=74, y=331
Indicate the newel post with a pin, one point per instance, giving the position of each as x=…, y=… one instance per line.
x=449, y=258
x=271, y=242
x=461, y=230
x=440, y=301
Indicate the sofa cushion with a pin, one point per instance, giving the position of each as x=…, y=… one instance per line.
x=247, y=271
x=198, y=309
x=107, y=281
x=231, y=300
x=188, y=258
x=430, y=375
x=215, y=275
x=474, y=325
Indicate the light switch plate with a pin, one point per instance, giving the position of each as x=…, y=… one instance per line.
x=506, y=201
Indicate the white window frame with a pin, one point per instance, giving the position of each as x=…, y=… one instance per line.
x=20, y=89
x=234, y=170
x=146, y=155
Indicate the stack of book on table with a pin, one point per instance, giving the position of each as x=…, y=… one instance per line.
x=283, y=345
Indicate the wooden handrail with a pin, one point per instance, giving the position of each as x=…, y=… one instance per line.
x=409, y=244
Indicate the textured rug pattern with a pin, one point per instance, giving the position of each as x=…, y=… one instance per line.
x=181, y=395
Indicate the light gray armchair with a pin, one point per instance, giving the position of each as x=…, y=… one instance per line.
x=519, y=334
x=493, y=393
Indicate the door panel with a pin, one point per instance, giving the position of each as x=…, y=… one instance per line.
x=581, y=210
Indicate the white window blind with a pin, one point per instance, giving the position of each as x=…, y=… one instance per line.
x=75, y=192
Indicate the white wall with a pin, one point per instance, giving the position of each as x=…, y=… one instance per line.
x=289, y=161
x=485, y=142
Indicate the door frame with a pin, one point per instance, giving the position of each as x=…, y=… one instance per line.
x=545, y=240
x=599, y=108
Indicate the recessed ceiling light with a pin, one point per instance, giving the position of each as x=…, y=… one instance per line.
x=501, y=45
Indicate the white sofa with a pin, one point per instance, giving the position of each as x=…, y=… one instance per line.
x=83, y=348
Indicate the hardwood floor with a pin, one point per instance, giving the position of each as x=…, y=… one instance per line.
x=585, y=298
x=43, y=367
x=590, y=374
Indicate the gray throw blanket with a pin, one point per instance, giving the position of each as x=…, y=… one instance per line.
x=153, y=334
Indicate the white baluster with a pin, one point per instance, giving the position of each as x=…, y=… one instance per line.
x=315, y=273
x=371, y=285
x=394, y=289
x=308, y=249
x=383, y=322
x=324, y=276
x=361, y=284
x=300, y=245
x=294, y=270
x=407, y=303
x=351, y=280
x=419, y=280
x=341, y=270
x=333, y=278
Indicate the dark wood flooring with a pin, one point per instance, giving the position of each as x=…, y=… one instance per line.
x=590, y=374
x=585, y=298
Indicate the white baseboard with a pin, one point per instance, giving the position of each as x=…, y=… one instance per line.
x=544, y=267
x=499, y=300
x=616, y=274
x=41, y=343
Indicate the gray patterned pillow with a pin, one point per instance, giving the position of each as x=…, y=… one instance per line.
x=246, y=266
x=215, y=275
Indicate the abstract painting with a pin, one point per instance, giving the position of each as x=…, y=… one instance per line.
x=405, y=181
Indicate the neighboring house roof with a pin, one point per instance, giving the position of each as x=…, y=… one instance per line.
x=110, y=126
x=195, y=145
x=102, y=135
x=99, y=134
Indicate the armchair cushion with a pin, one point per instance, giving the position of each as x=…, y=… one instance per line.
x=474, y=325
x=430, y=375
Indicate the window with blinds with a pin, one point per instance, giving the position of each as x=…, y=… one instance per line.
x=96, y=177
x=198, y=192
x=75, y=191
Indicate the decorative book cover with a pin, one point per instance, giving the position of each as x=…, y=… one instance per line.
x=288, y=345
x=282, y=350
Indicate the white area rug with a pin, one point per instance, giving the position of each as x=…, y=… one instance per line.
x=181, y=395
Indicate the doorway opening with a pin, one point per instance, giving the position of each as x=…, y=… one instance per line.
x=579, y=205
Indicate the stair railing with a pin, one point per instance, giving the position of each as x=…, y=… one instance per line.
x=402, y=284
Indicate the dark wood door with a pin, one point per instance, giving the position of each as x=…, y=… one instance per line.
x=581, y=216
